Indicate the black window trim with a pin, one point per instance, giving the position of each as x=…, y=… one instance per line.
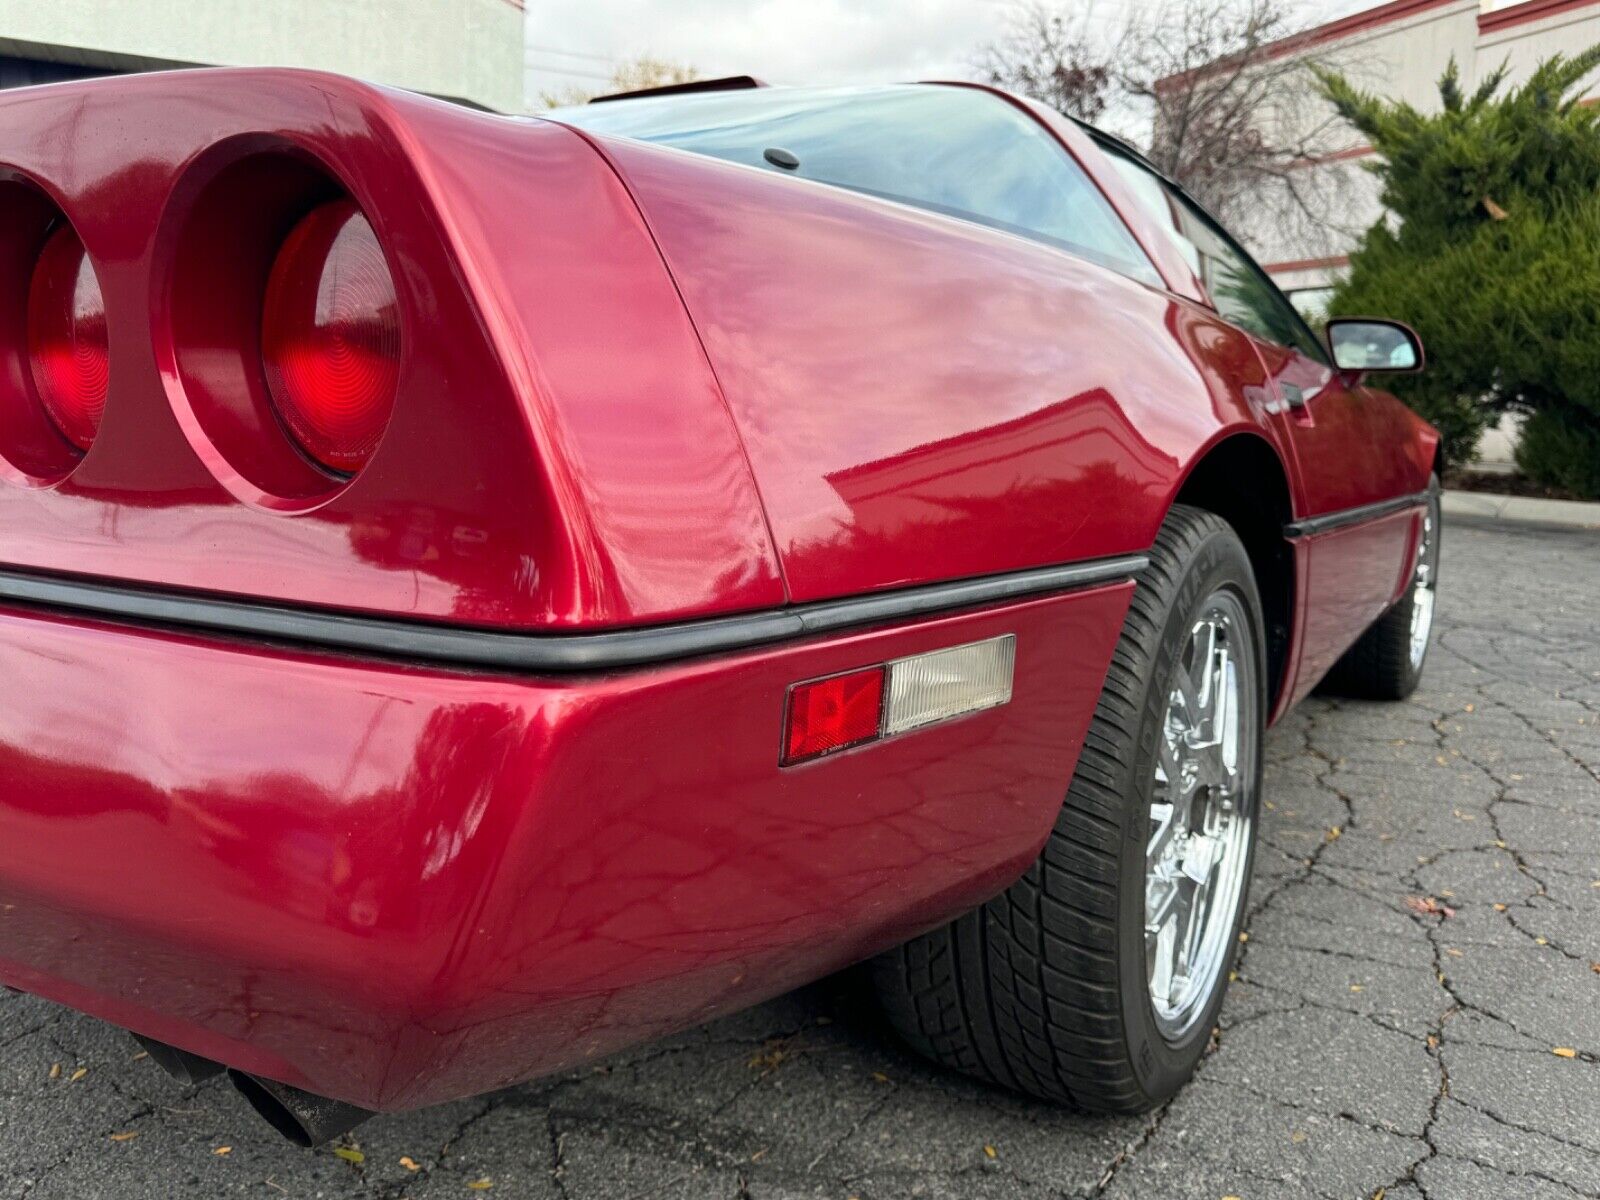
x=1110, y=143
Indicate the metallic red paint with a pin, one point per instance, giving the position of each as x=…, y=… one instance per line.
x=554, y=395
x=397, y=886
x=1036, y=408
x=637, y=386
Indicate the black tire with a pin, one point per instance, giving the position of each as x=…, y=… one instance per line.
x=1044, y=988
x=1380, y=666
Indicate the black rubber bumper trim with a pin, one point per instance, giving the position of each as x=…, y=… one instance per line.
x=502, y=650
x=1353, y=516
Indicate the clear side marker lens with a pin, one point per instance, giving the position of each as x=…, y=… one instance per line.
x=928, y=688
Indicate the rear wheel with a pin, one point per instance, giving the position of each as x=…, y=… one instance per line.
x=1386, y=663
x=1095, y=979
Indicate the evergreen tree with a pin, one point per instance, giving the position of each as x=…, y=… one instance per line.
x=1491, y=249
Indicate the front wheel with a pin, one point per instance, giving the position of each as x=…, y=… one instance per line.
x=1096, y=978
x=1386, y=662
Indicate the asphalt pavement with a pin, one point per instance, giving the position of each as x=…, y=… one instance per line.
x=1416, y=1014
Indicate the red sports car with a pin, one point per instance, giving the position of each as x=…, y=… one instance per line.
x=479, y=592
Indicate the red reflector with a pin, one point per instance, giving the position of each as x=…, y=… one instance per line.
x=67, y=345
x=829, y=714
x=330, y=336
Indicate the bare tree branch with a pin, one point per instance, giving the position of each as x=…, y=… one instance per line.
x=1044, y=55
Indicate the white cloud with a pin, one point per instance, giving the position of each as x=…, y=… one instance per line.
x=781, y=41
x=578, y=42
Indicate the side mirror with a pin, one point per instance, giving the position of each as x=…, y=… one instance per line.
x=1361, y=344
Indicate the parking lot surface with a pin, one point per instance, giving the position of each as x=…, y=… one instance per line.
x=1416, y=1014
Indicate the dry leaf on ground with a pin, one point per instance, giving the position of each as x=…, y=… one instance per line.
x=1427, y=906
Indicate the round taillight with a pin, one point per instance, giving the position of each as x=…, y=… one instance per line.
x=330, y=337
x=67, y=345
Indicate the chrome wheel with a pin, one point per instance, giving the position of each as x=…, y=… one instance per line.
x=1201, y=812
x=1423, y=585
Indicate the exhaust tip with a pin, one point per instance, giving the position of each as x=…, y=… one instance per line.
x=188, y=1069
x=305, y=1118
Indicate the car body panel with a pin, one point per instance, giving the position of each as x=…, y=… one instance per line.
x=1026, y=416
x=397, y=886
x=554, y=396
x=1348, y=578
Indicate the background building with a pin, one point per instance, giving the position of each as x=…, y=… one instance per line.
x=1400, y=50
x=463, y=50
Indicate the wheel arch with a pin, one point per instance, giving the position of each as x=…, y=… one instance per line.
x=1242, y=479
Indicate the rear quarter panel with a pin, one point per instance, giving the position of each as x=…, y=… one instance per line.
x=922, y=398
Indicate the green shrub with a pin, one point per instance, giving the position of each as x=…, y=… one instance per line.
x=1491, y=250
x=1561, y=447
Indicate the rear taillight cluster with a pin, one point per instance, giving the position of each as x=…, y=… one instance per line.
x=280, y=339
x=68, y=351
x=330, y=337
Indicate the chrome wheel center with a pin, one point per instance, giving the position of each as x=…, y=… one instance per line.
x=1423, y=585
x=1201, y=810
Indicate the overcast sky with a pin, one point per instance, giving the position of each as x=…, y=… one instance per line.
x=576, y=42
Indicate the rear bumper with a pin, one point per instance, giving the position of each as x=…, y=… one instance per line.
x=398, y=885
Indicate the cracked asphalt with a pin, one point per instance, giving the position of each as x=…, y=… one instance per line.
x=1416, y=1014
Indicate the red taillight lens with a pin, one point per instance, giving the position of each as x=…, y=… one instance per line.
x=330, y=337
x=829, y=714
x=67, y=345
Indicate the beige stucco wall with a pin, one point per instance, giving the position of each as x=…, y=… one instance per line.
x=462, y=49
x=1403, y=59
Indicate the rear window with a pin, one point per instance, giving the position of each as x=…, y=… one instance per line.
x=957, y=151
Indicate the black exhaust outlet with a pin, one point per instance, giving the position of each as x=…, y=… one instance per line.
x=188, y=1069
x=305, y=1118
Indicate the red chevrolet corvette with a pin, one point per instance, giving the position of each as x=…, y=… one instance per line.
x=477, y=592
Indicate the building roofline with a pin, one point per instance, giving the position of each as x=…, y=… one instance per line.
x=1332, y=31
x=1528, y=10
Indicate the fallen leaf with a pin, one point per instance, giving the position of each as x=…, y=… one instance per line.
x=1439, y=758
x=55, y=1070
x=1541, y=941
x=1494, y=210
x=223, y=1151
x=991, y=1152
x=349, y=1154
x=1356, y=987
x=1595, y=967
x=1244, y=937
x=1470, y=707
x=1564, y=1052
x=880, y=1077
x=125, y=1137
x=138, y=1056
x=1380, y=1194
x=1499, y=908
x=1453, y=952
x=481, y=1185
x=1427, y=906
x=410, y=1163
x=771, y=1056
x=1433, y=1041
x=1334, y=834
x=77, y=1075
x=759, y=1155
x=1298, y=1136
